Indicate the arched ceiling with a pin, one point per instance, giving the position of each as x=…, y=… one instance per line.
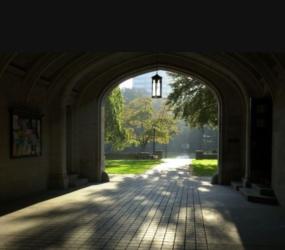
x=55, y=71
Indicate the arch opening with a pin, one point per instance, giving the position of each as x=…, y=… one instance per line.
x=233, y=112
x=201, y=126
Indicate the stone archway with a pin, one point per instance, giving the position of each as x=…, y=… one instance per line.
x=210, y=86
x=54, y=82
x=233, y=116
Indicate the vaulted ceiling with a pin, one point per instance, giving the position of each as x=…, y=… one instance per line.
x=46, y=69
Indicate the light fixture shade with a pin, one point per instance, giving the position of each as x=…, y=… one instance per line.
x=156, y=86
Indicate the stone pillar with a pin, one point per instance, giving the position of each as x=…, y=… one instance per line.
x=216, y=178
x=102, y=141
x=57, y=148
x=99, y=143
x=104, y=175
x=90, y=141
x=246, y=179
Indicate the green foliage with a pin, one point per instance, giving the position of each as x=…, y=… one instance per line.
x=165, y=125
x=131, y=94
x=138, y=119
x=115, y=132
x=193, y=101
x=204, y=167
x=129, y=166
x=131, y=118
x=141, y=119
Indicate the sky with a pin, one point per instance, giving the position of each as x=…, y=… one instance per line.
x=127, y=84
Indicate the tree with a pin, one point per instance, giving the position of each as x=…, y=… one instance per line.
x=164, y=124
x=193, y=101
x=115, y=133
x=131, y=94
x=142, y=119
x=138, y=119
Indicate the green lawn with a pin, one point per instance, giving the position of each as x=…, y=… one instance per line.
x=129, y=166
x=204, y=167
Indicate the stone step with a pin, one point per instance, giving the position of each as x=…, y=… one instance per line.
x=236, y=185
x=246, y=183
x=263, y=190
x=253, y=195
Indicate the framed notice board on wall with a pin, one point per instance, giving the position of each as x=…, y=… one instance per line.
x=25, y=134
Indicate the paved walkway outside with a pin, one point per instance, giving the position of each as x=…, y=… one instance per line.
x=165, y=208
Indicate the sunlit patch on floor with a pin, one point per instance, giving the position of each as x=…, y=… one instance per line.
x=151, y=211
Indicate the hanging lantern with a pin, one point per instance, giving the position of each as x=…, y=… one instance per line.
x=156, y=86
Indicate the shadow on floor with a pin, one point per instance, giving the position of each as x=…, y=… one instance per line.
x=163, y=210
x=11, y=206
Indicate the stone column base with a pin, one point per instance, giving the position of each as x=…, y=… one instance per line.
x=215, y=179
x=105, y=177
x=246, y=182
x=58, y=181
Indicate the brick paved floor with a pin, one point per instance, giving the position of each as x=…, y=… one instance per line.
x=163, y=209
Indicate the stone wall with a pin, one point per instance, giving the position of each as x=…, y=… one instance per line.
x=88, y=76
x=278, y=161
x=21, y=176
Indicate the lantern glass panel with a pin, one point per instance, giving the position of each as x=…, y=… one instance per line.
x=156, y=86
x=153, y=88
